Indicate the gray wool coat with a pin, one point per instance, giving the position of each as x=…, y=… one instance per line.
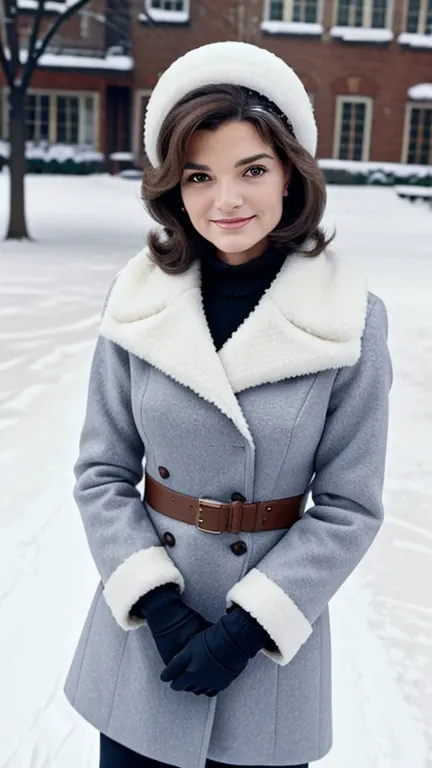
x=295, y=402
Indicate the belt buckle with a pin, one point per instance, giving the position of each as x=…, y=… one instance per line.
x=212, y=503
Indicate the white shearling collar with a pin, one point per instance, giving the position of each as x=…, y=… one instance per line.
x=310, y=319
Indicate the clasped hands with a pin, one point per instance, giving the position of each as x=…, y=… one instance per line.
x=201, y=657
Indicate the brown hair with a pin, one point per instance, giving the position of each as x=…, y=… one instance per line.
x=208, y=107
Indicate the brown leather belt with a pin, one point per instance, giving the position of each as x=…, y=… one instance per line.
x=213, y=516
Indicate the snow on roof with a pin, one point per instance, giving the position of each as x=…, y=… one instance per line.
x=120, y=63
x=414, y=40
x=421, y=92
x=70, y=61
x=362, y=34
x=50, y=5
x=291, y=27
x=160, y=14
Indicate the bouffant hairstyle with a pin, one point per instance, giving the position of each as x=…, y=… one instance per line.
x=177, y=244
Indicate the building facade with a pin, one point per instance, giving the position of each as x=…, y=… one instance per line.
x=367, y=65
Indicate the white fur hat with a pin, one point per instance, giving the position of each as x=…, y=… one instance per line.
x=236, y=64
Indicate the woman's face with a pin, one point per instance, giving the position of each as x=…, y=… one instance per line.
x=232, y=188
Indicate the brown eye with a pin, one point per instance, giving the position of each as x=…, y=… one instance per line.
x=197, y=178
x=256, y=171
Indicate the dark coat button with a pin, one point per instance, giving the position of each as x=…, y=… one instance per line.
x=236, y=496
x=239, y=548
x=163, y=472
x=169, y=539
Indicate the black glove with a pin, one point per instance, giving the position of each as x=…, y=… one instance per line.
x=214, y=658
x=171, y=622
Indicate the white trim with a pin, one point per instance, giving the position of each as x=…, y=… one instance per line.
x=367, y=15
x=288, y=17
x=160, y=318
x=340, y=101
x=409, y=106
x=138, y=574
x=267, y=602
x=164, y=15
x=137, y=123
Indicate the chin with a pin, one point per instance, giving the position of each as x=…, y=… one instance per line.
x=234, y=243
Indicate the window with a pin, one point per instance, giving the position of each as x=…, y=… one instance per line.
x=353, y=128
x=372, y=14
x=419, y=17
x=297, y=11
x=418, y=134
x=167, y=10
x=61, y=118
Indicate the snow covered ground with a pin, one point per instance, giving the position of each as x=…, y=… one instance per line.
x=51, y=297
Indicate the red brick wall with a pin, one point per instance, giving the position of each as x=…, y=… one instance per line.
x=69, y=33
x=326, y=66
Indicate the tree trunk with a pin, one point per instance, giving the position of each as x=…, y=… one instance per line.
x=17, y=229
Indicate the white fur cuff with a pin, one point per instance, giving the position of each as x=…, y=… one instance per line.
x=141, y=572
x=275, y=611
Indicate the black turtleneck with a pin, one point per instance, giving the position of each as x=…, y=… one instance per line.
x=230, y=292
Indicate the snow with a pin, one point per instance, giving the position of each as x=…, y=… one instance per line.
x=59, y=152
x=110, y=62
x=50, y=5
x=413, y=190
x=292, y=28
x=362, y=34
x=421, y=92
x=414, y=40
x=122, y=156
x=52, y=292
x=358, y=166
x=162, y=15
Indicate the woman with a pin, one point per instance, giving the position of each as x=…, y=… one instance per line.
x=248, y=365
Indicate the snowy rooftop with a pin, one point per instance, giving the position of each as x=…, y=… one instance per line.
x=52, y=292
x=110, y=62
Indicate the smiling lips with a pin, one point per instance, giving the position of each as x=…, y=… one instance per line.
x=232, y=223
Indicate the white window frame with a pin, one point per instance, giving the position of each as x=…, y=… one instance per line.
x=367, y=15
x=162, y=14
x=421, y=26
x=138, y=127
x=81, y=113
x=288, y=12
x=407, y=124
x=340, y=101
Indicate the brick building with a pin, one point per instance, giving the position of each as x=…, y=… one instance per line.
x=367, y=65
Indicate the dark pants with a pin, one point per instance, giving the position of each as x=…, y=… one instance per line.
x=113, y=755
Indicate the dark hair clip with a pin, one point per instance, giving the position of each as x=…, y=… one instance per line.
x=269, y=106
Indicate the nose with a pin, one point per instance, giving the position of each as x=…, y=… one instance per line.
x=228, y=197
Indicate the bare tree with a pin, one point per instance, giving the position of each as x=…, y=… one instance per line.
x=18, y=67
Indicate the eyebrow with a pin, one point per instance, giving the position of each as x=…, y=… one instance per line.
x=245, y=161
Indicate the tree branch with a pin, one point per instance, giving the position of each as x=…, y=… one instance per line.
x=67, y=14
x=11, y=31
x=4, y=64
x=31, y=50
